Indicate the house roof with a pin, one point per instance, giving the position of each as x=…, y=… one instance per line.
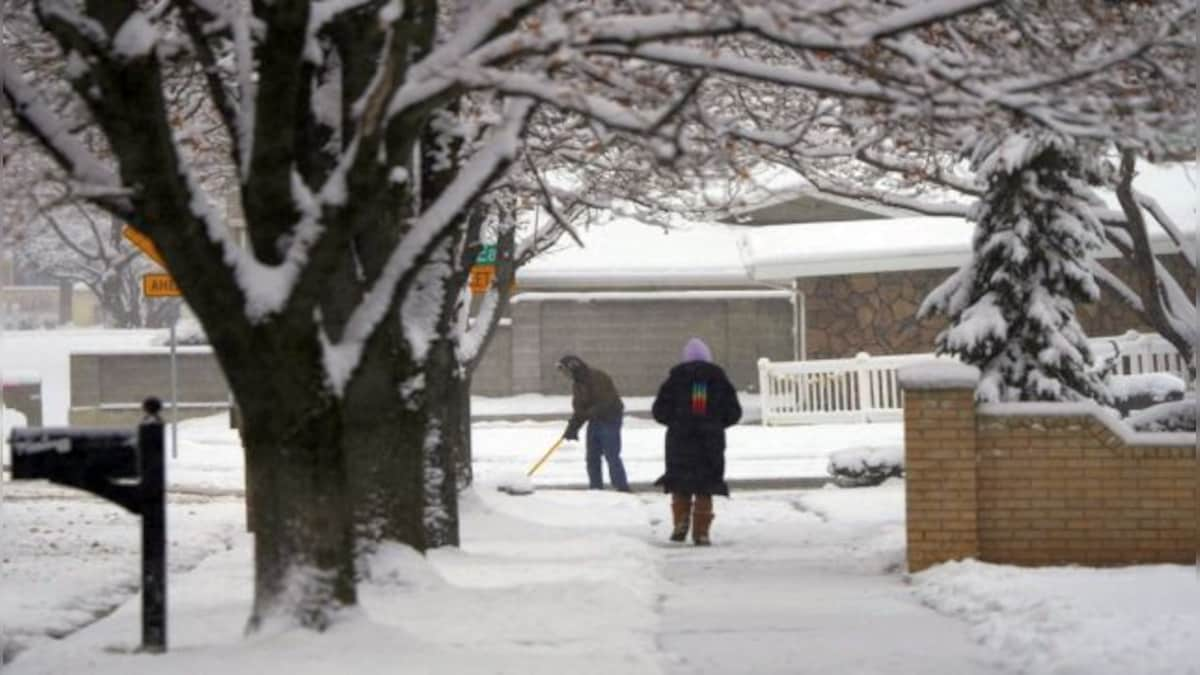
x=898, y=244
x=626, y=253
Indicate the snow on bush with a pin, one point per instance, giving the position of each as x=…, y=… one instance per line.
x=1012, y=305
x=1169, y=416
x=1134, y=392
x=858, y=467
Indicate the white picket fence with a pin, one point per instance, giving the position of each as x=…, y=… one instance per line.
x=865, y=389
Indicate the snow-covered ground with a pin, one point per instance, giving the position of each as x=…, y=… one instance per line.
x=570, y=580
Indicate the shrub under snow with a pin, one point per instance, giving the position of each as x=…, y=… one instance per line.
x=1169, y=416
x=1135, y=392
x=860, y=467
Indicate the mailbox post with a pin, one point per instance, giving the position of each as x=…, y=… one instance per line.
x=123, y=466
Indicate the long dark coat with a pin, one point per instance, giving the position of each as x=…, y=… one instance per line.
x=696, y=403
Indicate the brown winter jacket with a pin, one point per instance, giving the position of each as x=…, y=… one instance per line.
x=594, y=397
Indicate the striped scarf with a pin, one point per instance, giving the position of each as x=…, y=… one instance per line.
x=699, y=398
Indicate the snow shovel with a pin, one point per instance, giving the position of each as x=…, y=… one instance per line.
x=519, y=484
x=546, y=456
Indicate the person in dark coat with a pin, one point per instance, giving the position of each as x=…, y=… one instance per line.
x=595, y=401
x=696, y=403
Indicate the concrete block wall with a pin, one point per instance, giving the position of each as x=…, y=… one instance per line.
x=1043, y=484
x=107, y=388
x=493, y=376
x=635, y=341
x=26, y=398
x=638, y=341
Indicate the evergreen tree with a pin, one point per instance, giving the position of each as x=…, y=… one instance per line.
x=1012, y=306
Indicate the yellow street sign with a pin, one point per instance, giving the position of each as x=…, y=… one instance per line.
x=143, y=242
x=159, y=286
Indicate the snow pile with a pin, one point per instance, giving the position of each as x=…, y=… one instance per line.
x=516, y=483
x=1142, y=619
x=938, y=374
x=856, y=467
x=1170, y=416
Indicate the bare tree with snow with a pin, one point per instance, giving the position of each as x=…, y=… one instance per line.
x=364, y=134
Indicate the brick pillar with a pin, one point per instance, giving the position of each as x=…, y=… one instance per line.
x=939, y=465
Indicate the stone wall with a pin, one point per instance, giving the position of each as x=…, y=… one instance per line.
x=876, y=312
x=1041, y=484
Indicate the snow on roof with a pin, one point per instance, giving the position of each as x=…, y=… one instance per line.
x=644, y=296
x=625, y=252
x=12, y=378
x=928, y=242
x=847, y=247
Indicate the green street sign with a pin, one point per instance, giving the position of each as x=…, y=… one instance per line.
x=487, y=255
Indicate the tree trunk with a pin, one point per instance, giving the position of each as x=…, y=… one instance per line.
x=443, y=444
x=383, y=437
x=304, y=566
x=462, y=459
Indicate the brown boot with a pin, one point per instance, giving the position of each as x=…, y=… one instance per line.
x=702, y=517
x=681, y=511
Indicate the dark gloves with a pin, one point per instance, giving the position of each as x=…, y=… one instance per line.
x=572, y=432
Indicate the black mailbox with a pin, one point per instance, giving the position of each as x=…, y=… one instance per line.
x=123, y=466
x=68, y=454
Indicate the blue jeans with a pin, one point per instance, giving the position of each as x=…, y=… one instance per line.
x=604, y=440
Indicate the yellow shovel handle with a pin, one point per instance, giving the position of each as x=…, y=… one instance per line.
x=546, y=456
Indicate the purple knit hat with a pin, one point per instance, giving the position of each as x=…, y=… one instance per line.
x=696, y=350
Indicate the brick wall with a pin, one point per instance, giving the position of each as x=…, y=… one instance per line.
x=1035, y=485
x=940, y=477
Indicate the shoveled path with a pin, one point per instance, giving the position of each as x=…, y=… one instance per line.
x=784, y=590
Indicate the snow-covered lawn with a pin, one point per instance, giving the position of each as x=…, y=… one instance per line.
x=576, y=581
x=569, y=580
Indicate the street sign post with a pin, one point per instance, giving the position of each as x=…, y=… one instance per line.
x=161, y=285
